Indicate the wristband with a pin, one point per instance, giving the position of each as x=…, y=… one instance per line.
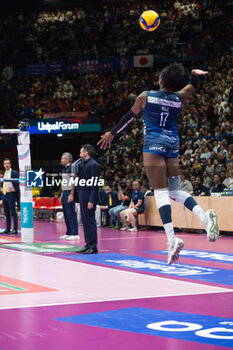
x=194, y=80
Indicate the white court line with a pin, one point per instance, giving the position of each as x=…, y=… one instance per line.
x=129, y=237
x=110, y=300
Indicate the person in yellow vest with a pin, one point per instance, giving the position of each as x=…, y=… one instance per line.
x=10, y=195
x=110, y=201
x=36, y=191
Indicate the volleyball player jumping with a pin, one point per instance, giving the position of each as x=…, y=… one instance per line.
x=160, y=110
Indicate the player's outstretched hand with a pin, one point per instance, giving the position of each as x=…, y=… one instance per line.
x=106, y=140
x=199, y=72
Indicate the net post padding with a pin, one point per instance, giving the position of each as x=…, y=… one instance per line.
x=26, y=203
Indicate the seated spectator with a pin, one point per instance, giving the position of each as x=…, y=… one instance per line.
x=184, y=160
x=206, y=154
x=176, y=5
x=186, y=185
x=136, y=207
x=189, y=150
x=229, y=158
x=210, y=167
x=217, y=146
x=228, y=182
x=197, y=167
x=218, y=186
x=110, y=201
x=197, y=154
x=199, y=189
x=221, y=158
x=217, y=166
x=206, y=179
x=146, y=190
x=223, y=174
x=124, y=197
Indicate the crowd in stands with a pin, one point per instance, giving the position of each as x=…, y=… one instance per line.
x=98, y=93
x=81, y=34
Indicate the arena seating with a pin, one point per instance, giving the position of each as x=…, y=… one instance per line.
x=64, y=35
x=46, y=208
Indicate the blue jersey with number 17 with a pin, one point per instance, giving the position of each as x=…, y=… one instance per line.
x=160, y=118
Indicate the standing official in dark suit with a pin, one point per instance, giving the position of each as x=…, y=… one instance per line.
x=10, y=195
x=88, y=196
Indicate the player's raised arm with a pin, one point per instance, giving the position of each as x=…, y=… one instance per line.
x=192, y=85
x=107, y=138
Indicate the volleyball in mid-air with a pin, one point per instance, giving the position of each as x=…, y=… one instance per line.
x=149, y=20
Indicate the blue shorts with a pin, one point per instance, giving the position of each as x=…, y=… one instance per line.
x=158, y=145
x=140, y=210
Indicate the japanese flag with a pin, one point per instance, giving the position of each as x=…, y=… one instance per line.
x=143, y=61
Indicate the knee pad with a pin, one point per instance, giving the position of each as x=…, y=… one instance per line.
x=173, y=183
x=175, y=192
x=162, y=197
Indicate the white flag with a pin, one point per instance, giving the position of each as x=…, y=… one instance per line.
x=143, y=61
